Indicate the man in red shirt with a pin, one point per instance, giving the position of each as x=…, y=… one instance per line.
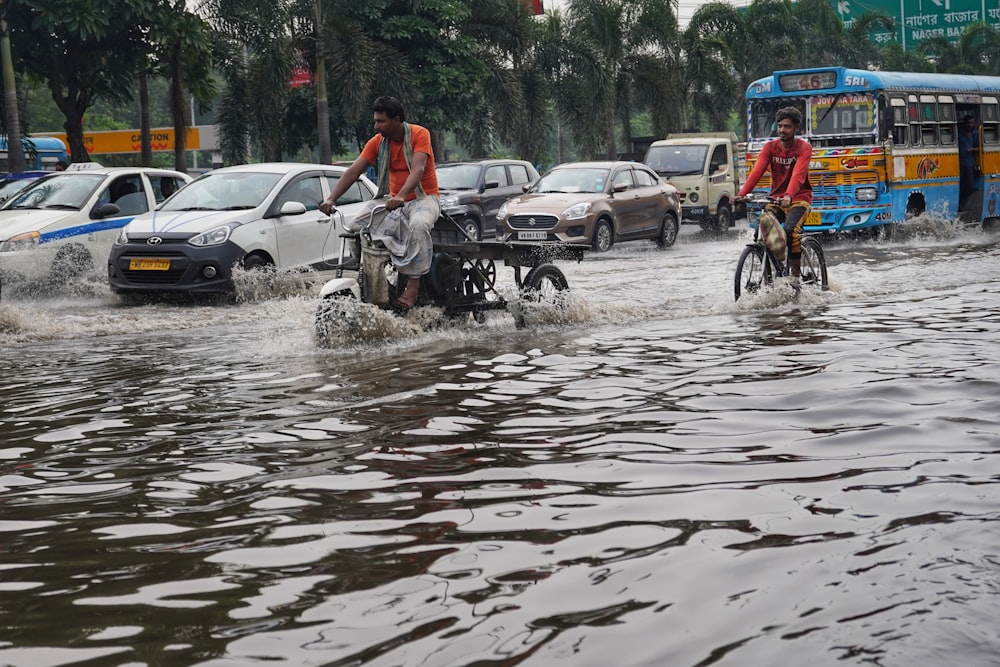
x=404, y=158
x=787, y=158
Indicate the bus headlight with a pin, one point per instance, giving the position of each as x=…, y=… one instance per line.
x=866, y=194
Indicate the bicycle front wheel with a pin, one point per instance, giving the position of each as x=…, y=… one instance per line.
x=813, y=264
x=753, y=271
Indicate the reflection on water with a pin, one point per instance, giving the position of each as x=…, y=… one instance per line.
x=683, y=481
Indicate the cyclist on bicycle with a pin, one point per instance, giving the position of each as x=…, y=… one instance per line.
x=787, y=158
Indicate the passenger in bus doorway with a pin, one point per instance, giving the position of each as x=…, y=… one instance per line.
x=968, y=148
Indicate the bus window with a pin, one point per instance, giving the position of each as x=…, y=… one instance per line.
x=990, y=119
x=928, y=117
x=948, y=131
x=913, y=111
x=899, y=126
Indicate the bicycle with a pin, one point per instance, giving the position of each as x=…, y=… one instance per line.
x=758, y=266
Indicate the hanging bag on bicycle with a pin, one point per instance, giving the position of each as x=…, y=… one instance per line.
x=773, y=234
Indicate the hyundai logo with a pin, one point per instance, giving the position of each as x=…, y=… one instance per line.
x=154, y=240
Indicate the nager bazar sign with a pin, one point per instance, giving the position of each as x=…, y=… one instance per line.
x=200, y=137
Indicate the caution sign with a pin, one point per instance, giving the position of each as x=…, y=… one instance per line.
x=201, y=137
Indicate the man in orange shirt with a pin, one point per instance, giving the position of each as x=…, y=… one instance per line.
x=404, y=158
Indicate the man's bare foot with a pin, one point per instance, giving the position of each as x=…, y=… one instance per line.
x=408, y=299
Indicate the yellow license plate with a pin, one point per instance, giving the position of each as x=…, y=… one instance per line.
x=149, y=265
x=813, y=218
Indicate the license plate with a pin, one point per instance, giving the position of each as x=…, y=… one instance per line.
x=813, y=218
x=148, y=264
x=532, y=236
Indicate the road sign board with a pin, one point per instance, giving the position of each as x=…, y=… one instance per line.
x=200, y=137
x=916, y=20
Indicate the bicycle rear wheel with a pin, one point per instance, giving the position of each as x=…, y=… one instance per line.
x=753, y=271
x=813, y=264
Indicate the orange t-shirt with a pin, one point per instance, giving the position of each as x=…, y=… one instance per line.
x=398, y=171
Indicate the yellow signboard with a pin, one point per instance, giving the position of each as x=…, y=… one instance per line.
x=129, y=141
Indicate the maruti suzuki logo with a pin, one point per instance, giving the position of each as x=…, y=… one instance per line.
x=154, y=240
x=531, y=221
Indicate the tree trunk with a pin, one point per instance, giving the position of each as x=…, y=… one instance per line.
x=178, y=108
x=146, y=149
x=322, y=104
x=15, y=151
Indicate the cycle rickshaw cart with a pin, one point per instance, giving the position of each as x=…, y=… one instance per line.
x=463, y=279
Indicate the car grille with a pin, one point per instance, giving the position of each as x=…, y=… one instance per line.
x=533, y=222
x=178, y=265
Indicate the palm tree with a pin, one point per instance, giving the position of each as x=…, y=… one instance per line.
x=977, y=51
x=611, y=48
x=516, y=101
x=253, y=49
x=12, y=120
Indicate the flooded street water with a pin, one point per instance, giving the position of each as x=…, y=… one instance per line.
x=650, y=475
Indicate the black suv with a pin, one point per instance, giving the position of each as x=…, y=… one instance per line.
x=472, y=192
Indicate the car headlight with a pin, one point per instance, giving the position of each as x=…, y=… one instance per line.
x=693, y=197
x=502, y=213
x=866, y=194
x=449, y=200
x=122, y=238
x=21, y=242
x=577, y=210
x=216, y=236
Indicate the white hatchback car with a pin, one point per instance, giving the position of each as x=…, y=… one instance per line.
x=66, y=222
x=253, y=215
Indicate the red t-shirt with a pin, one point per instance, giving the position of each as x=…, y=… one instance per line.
x=420, y=137
x=780, y=162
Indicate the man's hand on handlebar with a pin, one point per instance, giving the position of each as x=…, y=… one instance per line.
x=394, y=202
x=785, y=201
x=327, y=207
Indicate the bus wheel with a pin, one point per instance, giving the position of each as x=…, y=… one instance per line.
x=884, y=233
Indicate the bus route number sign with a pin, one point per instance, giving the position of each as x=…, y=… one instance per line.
x=811, y=81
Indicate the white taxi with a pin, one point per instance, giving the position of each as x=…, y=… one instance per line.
x=63, y=222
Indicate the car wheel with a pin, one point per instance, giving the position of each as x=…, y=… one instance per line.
x=603, y=237
x=256, y=261
x=72, y=260
x=724, y=219
x=668, y=230
x=471, y=229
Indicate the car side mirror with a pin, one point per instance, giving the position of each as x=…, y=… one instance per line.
x=620, y=187
x=106, y=210
x=491, y=185
x=526, y=187
x=292, y=208
x=714, y=167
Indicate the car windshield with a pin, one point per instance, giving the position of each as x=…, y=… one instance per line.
x=223, y=191
x=676, y=160
x=583, y=179
x=9, y=188
x=457, y=176
x=62, y=191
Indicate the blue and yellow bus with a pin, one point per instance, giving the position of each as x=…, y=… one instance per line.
x=40, y=153
x=885, y=144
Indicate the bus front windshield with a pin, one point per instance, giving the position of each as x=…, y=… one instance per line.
x=831, y=116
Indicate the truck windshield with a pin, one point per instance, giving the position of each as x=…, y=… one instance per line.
x=676, y=160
